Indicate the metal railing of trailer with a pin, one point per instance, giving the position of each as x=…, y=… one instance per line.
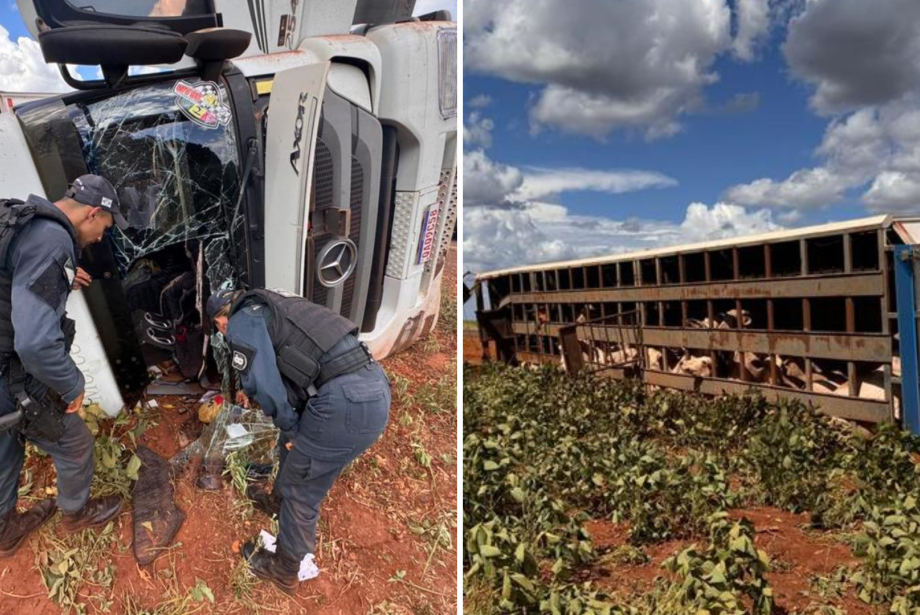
x=824, y=314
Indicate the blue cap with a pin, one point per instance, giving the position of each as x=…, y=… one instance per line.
x=217, y=301
x=96, y=191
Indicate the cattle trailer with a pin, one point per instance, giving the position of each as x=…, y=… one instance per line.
x=824, y=314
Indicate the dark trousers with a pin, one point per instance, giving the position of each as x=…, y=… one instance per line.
x=72, y=456
x=346, y=417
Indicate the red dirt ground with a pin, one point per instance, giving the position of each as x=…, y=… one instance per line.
x=472, y=347
x=797, y=556
x=366, y=527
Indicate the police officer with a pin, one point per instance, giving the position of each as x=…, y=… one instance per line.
x=304, y=365
x=39, y=245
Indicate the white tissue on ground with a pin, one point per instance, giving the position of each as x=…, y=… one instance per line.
x=308, y=568
x=237, y=437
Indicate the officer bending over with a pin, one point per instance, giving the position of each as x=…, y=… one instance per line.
x=39, y=246
x=304, y=365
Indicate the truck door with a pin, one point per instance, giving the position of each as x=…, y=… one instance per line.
x=290, y=144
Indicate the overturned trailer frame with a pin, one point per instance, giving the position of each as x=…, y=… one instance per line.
x=824, y=314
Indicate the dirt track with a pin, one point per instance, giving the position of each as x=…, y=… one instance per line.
x=383, y=532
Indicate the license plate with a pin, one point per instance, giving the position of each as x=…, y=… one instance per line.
x=429, y=228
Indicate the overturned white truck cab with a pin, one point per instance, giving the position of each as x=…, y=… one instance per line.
x=309, y=147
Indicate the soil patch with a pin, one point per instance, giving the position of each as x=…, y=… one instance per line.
x=798, y=558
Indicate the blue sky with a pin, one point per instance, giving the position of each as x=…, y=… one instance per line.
x=11, y=21
x=736, y=116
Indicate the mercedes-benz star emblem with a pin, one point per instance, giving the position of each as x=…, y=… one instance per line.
x=336, y=262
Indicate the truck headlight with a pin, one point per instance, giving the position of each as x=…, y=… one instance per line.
x=447, y=72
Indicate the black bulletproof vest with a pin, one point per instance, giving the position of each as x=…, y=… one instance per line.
x=14, y=215
x=301, y=332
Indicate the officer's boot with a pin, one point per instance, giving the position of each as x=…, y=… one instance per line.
x=15, y=527
x=269, y=503
x=97, y=512
x=278, y=567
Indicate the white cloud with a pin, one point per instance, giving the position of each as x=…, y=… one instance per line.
x=542, y=183
x=507, y=219
x=491, y=183
x=486, y=182
x=477, y=131
x=894, y=192
x=855, y=52
x=495, y=238
x=816, y=187
x=23, y=69
x=724, y=220
x=601, y=66
x=480, y=102
x=742, y=102
x=874, y=149
x=753, y=26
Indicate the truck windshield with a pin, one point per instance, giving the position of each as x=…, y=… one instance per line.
x=177, y=175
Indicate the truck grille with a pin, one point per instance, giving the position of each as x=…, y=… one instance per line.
x=323, y=186
x=354, y=232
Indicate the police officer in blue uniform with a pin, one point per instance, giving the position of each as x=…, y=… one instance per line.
x=39, y=246
x=330, y=400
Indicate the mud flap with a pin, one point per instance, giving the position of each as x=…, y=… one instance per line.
x=157, y=519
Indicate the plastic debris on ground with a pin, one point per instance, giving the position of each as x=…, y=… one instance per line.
x=210, y=408
x=237, y=437
x=308, y=568
x=234, y=429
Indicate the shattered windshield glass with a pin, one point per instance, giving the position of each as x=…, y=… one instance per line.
x=176, y=169
x=174, y=177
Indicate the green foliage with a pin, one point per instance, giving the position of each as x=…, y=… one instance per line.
x=115, y=465
x=179, y=601
x=626, y=554
x=544, y=451
x=237, y=467
x=728, y=575
x=791, y=454
x=890, y=544
x=872, y=470
x=67, y=564
x=722, y=424
x=664, y=499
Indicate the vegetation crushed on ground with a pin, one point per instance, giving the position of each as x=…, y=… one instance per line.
x=545, y=452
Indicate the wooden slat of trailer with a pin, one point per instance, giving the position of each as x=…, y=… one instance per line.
x=843, y=407
x=840, y=285
x=874, y=348
x=536, y=358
